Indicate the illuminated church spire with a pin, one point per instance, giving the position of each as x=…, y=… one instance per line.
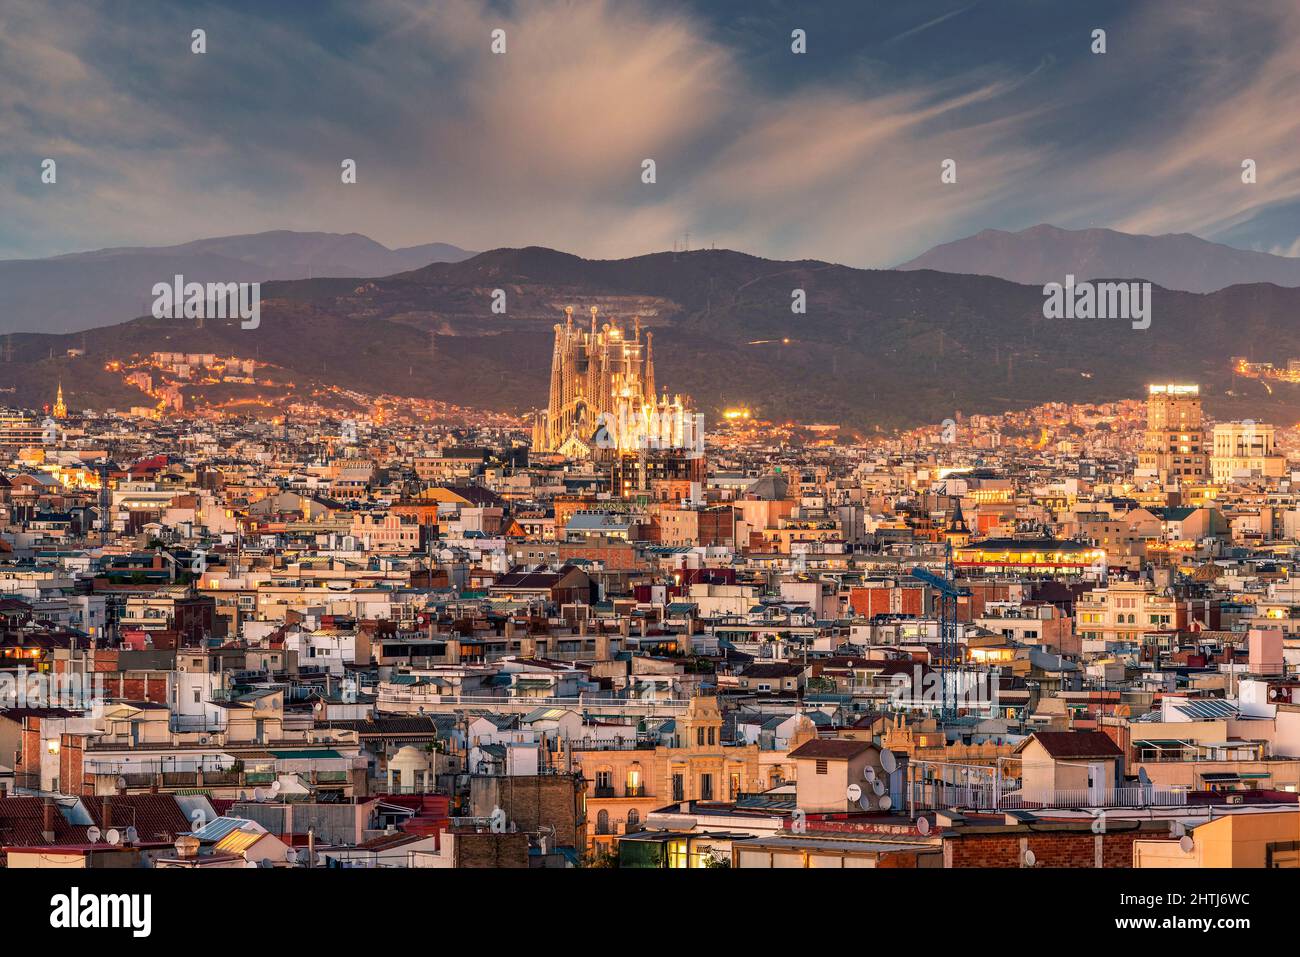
x=60, y=407
x=649, y=389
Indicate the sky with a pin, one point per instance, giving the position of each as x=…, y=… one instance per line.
x=831, y=154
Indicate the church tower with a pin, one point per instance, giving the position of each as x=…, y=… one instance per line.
x=958, y=532
x=60, y=407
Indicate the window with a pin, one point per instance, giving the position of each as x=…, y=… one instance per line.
x=1283, y=854
x=821, y=767
x=706, y=787
x=712, y=739
x=677, y=854
x=699, y=736
x=679, y=787
x=735, y=786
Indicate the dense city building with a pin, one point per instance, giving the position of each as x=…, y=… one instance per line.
x=426, y=645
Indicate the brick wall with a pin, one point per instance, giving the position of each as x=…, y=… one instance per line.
x=71, y=769
x=870, y=600
x=29, y=764
x=486, y=849
x=1069, y=849
x=544, y=800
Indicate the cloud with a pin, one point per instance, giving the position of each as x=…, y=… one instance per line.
x=544, y=144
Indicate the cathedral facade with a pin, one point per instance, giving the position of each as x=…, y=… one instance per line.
x=602, y=394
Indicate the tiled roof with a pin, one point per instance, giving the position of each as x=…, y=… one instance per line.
x=154, y=816
x=839, y=749
x=1076, y=744
x=21, y=824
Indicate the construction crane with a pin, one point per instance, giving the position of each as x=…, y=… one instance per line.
x=947, y=593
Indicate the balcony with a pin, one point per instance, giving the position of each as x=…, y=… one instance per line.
x=936, y=794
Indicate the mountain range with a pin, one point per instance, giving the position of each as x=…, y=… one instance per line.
x=875, y=348
x=1044, y=254
x=84, y=290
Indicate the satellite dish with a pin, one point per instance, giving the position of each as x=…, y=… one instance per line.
x=132, y=835
x=113, y=837
x=888, y=761
x=853, y=792
x=865, y=803
x=1143, y=778
x=923, y=826
x=265, y=862
x=121, y=784
x=320, y=705
x=275, y=787
x=878, y=786
x=291, y=855
x=869, y=773
x=93, y=834
x=886, y=803
x=258, y=795
x=1030, y=858
x=1186, y=843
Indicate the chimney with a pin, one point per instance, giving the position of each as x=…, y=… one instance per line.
x=47, y=820
x=187, y=847
x=107, y=812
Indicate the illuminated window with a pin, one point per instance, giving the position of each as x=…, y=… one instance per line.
x=678, y=854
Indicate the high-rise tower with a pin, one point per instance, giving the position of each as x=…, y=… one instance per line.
x=1174, y=446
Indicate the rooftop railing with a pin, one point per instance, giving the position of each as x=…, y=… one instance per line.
x=932, y=794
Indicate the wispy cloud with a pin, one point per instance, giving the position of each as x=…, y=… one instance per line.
x=928, y=24
x=756, y=147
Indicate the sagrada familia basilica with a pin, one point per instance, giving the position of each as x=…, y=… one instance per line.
x=603, y=395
